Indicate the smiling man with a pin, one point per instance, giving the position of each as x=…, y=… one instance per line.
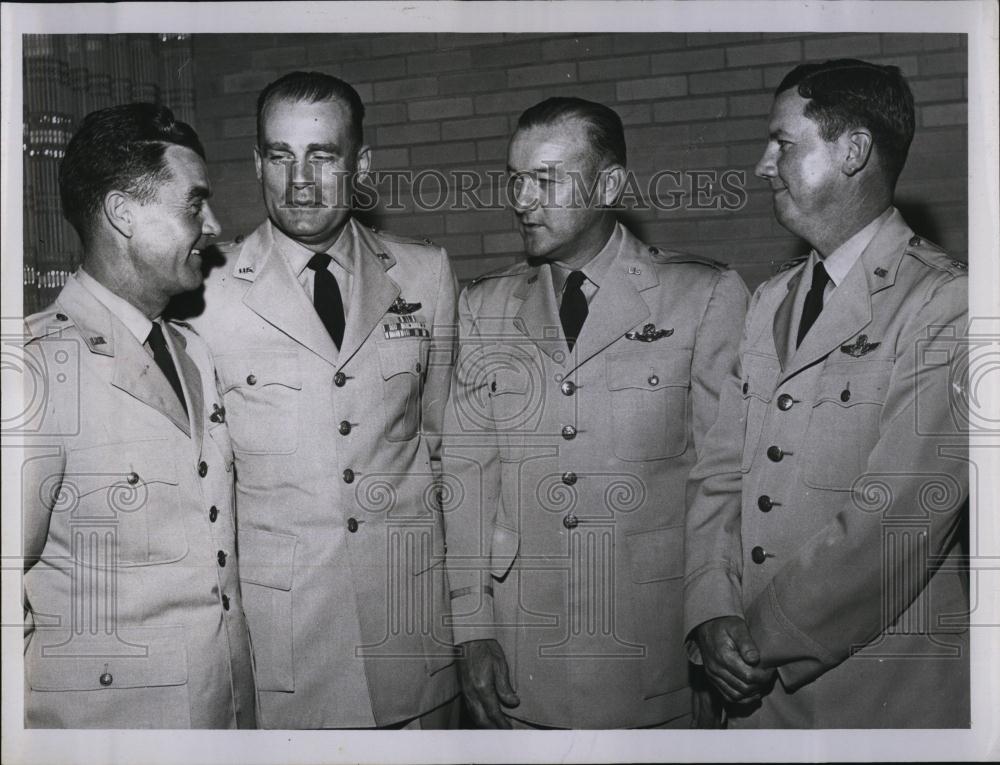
x=334, y=349
x=825, y=585
x=133, y=608
x=587, y=379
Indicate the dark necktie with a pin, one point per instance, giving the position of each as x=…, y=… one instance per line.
x=814, y=301
x=163, y=360
x=326, y=297
x=573, y=309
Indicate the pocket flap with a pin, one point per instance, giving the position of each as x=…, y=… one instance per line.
x=257, y=369
x=399, y=356
x=136, y=657
x=851, y=383
x=650, y=371
x=123, y=469
x=656, y=555
x=266, y=558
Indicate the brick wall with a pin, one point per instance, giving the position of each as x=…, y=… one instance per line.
x=448, y=102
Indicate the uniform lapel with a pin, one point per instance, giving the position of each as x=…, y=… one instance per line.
x=278, y=298
x=538, y=317
x=191, y=382
x=373, y=292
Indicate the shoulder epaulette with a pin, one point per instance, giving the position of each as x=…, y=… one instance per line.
x=788, y=265
x=46, y=322
x=499, y=273
x=935, y=256
x=401, y=239
x=672, y=256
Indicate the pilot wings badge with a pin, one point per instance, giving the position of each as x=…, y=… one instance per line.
x=401, y=307
x=859, y=347
x=648, y=334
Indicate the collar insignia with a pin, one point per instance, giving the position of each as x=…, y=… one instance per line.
x=648, y=334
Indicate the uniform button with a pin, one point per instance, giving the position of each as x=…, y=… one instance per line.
x=746, y=387
x=106, y=679
x=352, y=524
x=914, y=241
x=568, y=388
x=568, y=432
x=785, y=402
x=845, y=395
x=213, y=513
x=570, y=521
x=764, y=503
x=221, y=557
x=419, y=367
x=203, y=468
x=339, y=379
x=348, y=476
x=251, y=379
x=774, y=453
x=345, y=428
x=62, y=317
x=569, y=478
x=654, y=380
x=225, y=602
x=132, y=478
x=757, y=554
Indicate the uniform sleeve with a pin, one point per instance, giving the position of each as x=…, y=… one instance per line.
x=471, y=466
x=441, y=361
x=842, y=589
x=712, y=541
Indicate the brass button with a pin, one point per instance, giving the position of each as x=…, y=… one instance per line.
x=764, y=503
x=345, y=428
x=774, y=453
x=568, y=388
x=914, y=241
x=746, y=387
x=339, y=379
x=568, y=432
x=221, y=557
x=203, y=468
x=106, y=679
x=132, y=478
x=570, y=521
x=419, y=367
x=569, y=478
x=348, y=476
x=845, y=395
x=225, y=602
x=654, y=380
x=352, y=524
x=213, y=513
x=251, y=379
x=758, y=555
x=785, y=402
x=62, y=317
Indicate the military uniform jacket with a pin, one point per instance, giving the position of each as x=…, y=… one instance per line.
x=843, y=547
x=566, y=477
x=134, y=615
x=340, y=527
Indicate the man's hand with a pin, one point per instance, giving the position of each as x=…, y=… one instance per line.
x=486, y=683
x=731, y=658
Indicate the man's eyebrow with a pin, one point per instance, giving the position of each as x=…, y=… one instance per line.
x=197, y=193
x=777, y=133
x=331, y=148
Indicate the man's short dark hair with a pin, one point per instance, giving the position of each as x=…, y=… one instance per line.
x=604, y=126
x=847, y=93
x=121, y=147
x=311, y=88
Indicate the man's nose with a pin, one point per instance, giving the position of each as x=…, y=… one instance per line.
x=210, y=224
x=525, y=195
x=765, y=165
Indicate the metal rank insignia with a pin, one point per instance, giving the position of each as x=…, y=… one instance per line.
x=402, y=308
x=859, y=347
x=648, y=334
x=407, y=326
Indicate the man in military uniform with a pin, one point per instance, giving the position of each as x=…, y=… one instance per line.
x=587, y=378
x=824, y=581
x=334, y=359
x=133, y=609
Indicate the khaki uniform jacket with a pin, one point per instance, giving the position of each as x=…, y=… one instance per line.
x=843, y=465
x=566, y=477
x=340, y=530
x=134, y=615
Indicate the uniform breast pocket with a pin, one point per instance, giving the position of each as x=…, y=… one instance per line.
x=649, y=403
x=845, y=420
x=403, y=363
x=759, y=377
x=261, y=392
x=129, y=490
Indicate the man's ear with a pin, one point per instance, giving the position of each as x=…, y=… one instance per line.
x=859, y=150
x=612, y=183
x=119, y=212
x=257, y=161
x=363, y=160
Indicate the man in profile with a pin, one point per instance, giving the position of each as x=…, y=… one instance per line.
x=588, y=377
x=825, y=585
x=334, y=352
x=133, y=610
